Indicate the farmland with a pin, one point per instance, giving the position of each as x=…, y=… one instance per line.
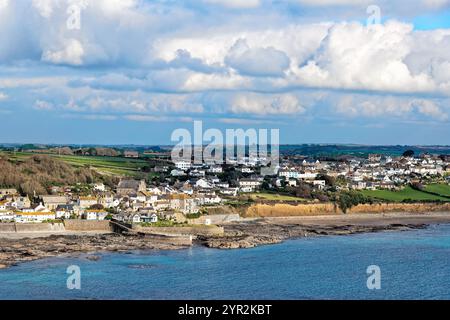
x=405, y=194
x=105, y=165
x=274, y=197
x=441, y=189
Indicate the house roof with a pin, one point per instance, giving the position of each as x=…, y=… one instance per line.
x=129, y=184
x=88, y=198
x=42, y=213
x=181, y=196
x=53, y=199
x=61, y=207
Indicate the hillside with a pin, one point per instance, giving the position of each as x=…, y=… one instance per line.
x=39, y=172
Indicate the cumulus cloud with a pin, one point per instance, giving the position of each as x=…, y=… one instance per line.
x=164, y=57
x=354, y=56
x=257, y=61
x=266, y=104
x=3, y=96
x=389, y=106
x=429, y=108
x=72, y=54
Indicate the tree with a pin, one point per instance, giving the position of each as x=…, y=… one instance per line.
x=408, y=154
x=303, y=190
x=97, y=206
x=330, y=181
x=349, y=199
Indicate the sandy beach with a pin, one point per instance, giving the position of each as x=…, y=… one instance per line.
x=367, y=219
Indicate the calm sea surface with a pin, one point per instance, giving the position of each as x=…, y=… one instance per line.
x=414, y=265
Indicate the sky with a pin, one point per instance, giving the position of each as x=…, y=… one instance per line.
x=133, y=71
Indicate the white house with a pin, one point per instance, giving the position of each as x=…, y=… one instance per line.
x=34, y=217
x=230, y=191
x=215, y=169
x=6, y=215
x=64, y=211
x=86, y=202
x=289, y=174
x=177, y=173
x=203, y=183
x=99, y=187
x=320, y=184
x=182, y=165
x=153, y=218
x=246, y=189
x=94, y=214
x=249, y=183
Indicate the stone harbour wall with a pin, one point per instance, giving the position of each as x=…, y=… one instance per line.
x=31, y=227
x=85, y=225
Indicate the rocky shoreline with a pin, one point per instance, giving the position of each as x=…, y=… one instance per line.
x=14, y=251
x=247, y=234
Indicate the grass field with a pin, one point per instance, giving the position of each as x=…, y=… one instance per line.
x=407, y=193
x=274, y=197
x=105, y=165
x=441, y=189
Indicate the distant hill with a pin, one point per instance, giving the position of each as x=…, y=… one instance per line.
x=39, y=172
x=333, y=150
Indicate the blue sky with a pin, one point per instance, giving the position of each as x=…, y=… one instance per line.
x=135, y=70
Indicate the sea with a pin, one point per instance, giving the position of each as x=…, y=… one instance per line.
x=389, y=265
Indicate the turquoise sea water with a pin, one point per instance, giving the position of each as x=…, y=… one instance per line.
x=414, y=265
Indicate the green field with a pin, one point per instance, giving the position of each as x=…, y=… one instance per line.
x=407, y=193
x=105, y=165
x=441, y=189
x=274, y=197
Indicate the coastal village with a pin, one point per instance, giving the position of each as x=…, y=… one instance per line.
x=192, y=190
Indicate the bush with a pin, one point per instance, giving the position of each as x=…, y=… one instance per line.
x=193, y=215
x=349, y=199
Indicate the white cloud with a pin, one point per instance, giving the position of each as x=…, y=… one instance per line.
x=429, y=108
x=3, y=96
x=266, y=104
x=72, y=53
x=320, y=3
x=388, y=106
x=31, y=82
x=46, y=7
x=436, y=4
x=129, y=46
x=43, y=105
x=236, y=4
x=257, y=61
x=3, y=4
x=357, y=57
x=148, y=118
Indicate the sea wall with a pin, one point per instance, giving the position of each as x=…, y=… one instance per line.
x=39, y=227
x=191, y=230
x=173, y=240
x=31, y=227
x=7, y=227
x=315, y=209
x=216, y=219
x=85, y=225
